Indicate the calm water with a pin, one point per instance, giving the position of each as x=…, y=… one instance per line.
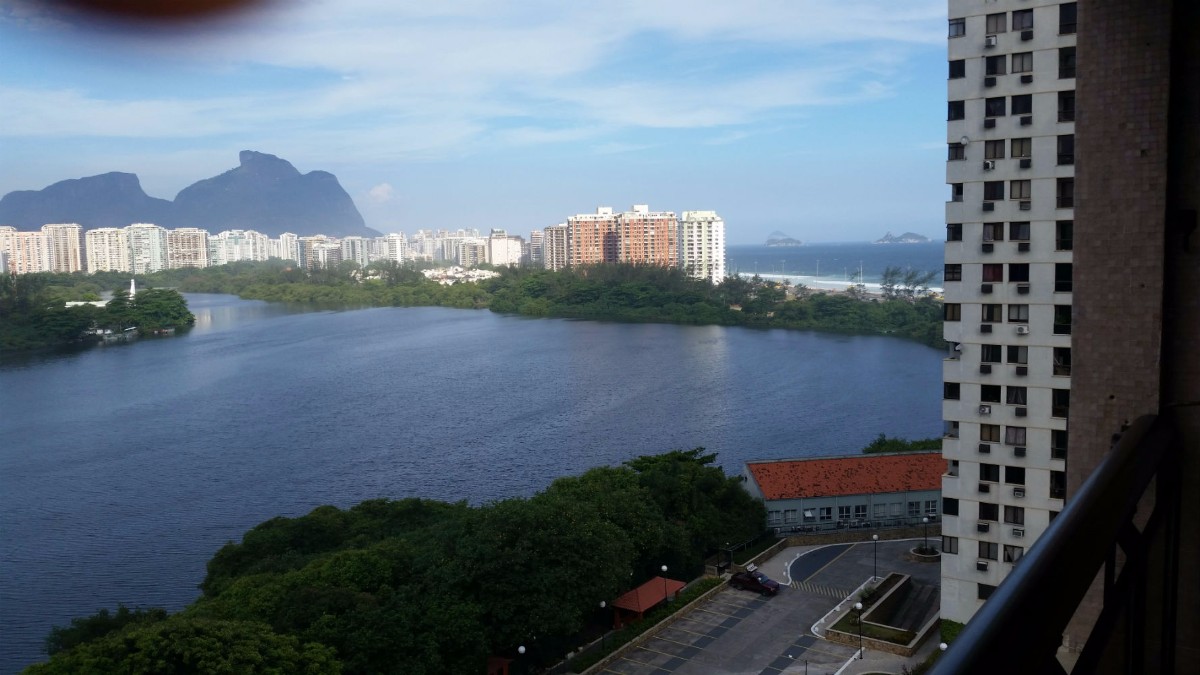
x=122, y=469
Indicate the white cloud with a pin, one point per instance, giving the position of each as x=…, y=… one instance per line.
x=381, y=193
x=383, y=79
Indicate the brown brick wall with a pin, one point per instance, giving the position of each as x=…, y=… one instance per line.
x=1135, y=171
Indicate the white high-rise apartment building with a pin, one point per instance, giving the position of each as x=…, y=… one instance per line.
x=236, y=245
x=535, y=248
x=555, y=255
x=357, y=249
x=397, y=248
x=504, y=249
x=64, y=244
x=187, y=247
x=702, y=245
x=147, y=248
x=107, y=250
x=1010, y=135
x=288, y=247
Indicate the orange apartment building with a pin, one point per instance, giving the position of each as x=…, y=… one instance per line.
x=638, y=236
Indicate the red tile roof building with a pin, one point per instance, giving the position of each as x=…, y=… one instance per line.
x=858, y=490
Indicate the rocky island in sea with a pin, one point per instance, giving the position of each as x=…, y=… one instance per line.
x=906, y=238
x=778, y=238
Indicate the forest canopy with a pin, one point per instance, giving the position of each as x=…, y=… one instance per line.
x=423, y=586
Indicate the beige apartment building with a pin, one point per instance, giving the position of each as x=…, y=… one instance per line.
x=187, y=247
x=64, y=243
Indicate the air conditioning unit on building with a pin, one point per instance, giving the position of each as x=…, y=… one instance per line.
x=989, y=123
x=981, y=565
x=1022, y=330
x=985, y=328
x=1022, y=371
x=1025, y=163
x=1026, y=35
x=1025, y=206
x=985, y=410
x=1018, y=492
x=1022, y=289
x=1026, y=79
x=989, y=41
x=988, y=247
x=1022, y=247
x=989, y=164
x=1021, y=412
x=985, y=289
x=1019, y=451
x=1026, y=120
x=983, y=527
x=1018, y=532
x=985, y=369
x=984, y=487
x=989, y=81
x=985, y=448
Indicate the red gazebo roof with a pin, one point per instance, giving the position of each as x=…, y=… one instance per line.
x=649, y=594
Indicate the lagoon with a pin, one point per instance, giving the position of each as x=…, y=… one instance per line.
x=124, y=468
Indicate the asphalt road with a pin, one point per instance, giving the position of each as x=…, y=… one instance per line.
x=741, y=632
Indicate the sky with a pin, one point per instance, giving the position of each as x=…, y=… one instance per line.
x=820, y=119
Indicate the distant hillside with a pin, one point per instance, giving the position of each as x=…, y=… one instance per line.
x=108, y=200
x=264, y=193
x=906, y=238
x=780, y=239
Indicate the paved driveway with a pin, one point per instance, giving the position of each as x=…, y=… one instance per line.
x=739, y=632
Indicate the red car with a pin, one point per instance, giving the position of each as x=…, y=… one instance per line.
x=754, y=581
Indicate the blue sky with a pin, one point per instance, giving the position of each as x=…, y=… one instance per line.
x=822, y=119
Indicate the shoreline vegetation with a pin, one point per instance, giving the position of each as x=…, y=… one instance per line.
x=627, y=293
x=436, y=586
x=34, y=312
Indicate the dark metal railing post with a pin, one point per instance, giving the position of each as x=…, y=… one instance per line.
x=1033, y=606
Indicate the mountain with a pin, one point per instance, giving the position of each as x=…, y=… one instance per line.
x=108, y=200
x=267, y=194
x=906, y=238
x=778, y=238
x=264, y=193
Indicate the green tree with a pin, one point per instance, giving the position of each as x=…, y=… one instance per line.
x=186, y=645
x=98, y=625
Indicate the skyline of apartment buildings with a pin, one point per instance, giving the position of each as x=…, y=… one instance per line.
x=638, y=236
x=1008, y=294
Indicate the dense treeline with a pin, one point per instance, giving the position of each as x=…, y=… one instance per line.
x=644, y=293
x=33, y=311
x=420, y=586
x=885, y=443
x=604, y=292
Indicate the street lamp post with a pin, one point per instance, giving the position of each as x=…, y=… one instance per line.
x=604, y=626
x=875, y=539
x=858, y=607
x=664, y=571
x=925, y=549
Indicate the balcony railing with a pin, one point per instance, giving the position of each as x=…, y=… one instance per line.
x=1019, y=629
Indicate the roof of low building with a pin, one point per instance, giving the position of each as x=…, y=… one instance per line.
x=649, y=594
x=852, y=475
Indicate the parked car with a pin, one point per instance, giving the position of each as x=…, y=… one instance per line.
x=753, y=580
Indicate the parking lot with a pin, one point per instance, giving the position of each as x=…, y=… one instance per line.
x=742, y=632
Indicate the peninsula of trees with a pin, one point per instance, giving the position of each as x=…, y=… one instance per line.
x=421, y=586
x=34, y=311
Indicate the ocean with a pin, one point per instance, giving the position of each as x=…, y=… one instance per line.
x=833, y=266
